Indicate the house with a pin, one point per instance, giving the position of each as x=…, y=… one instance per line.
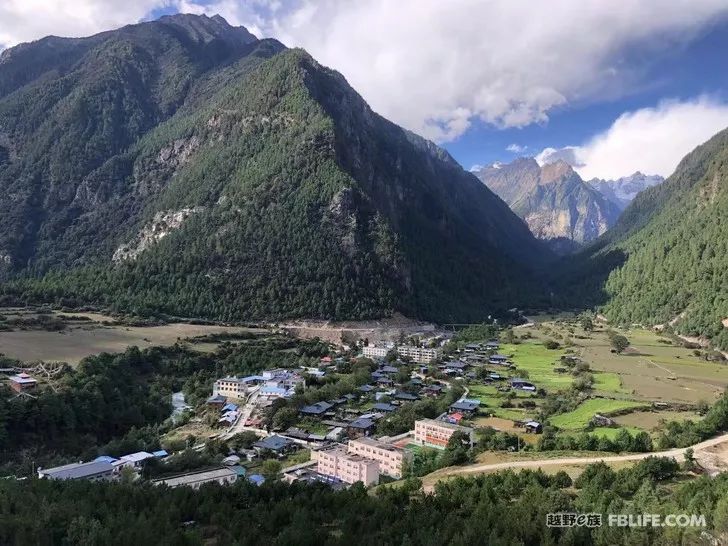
x=533, y=427
x=366, y=389
x=494, y=376
x=316, y=410
x=231, y=460
x=405, y=396
x=454, y=418
x=384, y=381
x=335, y=434
x=499, y=360
x=277, y=444
x=216, y=400
x=22, y=382
x=465, y=406
x=382, y=406
x=472, y=347
x=492, y=346
x=433, y=390
x=522, y=384
x=347, y=467
x=134, y=460
x=297, y=434
x=95, y=471
x=420, y=355
x=231, y=387
x=392, y=460
x=457, y=365
x=431, y=432
x=160, y=454
x=229, y=407
x=195, y=480
x=388, y=370
x=360, y=427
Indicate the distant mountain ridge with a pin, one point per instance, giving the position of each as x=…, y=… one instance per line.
x=555, y=202
x=184, y=167
x=623, y=190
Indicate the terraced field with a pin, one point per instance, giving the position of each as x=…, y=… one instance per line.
x=580, y=417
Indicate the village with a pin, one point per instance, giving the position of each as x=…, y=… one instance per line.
x=339, y=434
x=399, y=404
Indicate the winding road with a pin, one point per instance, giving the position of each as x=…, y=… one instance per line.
x=677, y=454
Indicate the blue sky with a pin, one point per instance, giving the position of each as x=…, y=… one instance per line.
x=699, y=68
x=614, y=86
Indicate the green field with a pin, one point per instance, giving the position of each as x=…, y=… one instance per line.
x=539, y=362
x=608, y=382
x=580, y=417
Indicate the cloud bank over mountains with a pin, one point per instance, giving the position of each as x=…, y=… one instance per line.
x=651, y=140
x=434, y=67
x=437, y=67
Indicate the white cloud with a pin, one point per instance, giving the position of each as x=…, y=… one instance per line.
x=436, y=66
x=567, y=153
x=516, y=148
x=651, y=140
x=431, y=66
x=27, y=20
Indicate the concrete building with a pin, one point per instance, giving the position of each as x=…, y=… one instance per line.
x=435, y=433
x=223, y=476
x=392, y=460
x=372, y=351
x=420, y=355
x=95, y=470
x=231, y=387
x=348, y=468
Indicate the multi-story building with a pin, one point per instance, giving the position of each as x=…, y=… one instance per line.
x=420, y=355
x=392, y=460
x=435, y=433
x=374, y=351
x=231, y=387
x=347, y=467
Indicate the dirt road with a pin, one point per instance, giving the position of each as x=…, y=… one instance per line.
x=677, y=454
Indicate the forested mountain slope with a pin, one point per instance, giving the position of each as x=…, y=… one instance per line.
x=667, y=257
x=184, y=167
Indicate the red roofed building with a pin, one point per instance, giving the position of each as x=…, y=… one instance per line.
x=455, y=418
x=22, y=382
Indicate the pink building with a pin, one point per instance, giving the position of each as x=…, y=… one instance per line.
x=392, y=460
x=347, y=467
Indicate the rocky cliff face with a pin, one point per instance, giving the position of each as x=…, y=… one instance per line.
x=555, y=202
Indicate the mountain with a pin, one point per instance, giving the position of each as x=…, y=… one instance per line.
x=183, y=166
x=555, y=202
x=623, y=190
x=666, y=260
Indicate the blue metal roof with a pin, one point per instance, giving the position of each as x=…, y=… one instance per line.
x=274, y=443
x=257, y=479
x=105, y=459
